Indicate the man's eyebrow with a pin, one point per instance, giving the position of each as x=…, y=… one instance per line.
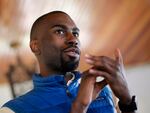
x=63, y=26
x=76, y=29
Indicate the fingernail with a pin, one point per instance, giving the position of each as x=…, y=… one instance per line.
x=87, y=55
x=89, y=61
x=91, y=70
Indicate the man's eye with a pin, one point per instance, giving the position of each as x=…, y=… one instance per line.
x=75, y=34
x=60, y=32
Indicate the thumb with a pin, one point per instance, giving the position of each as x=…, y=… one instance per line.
x=118, y=56
x=100, y=85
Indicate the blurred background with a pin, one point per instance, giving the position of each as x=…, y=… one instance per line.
x=104, y=24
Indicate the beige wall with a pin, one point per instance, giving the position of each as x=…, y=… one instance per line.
x=5, y=93
x=139, y=82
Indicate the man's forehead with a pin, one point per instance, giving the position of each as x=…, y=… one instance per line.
x=60, y=19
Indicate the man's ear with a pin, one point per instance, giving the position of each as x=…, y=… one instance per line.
x=34, y=45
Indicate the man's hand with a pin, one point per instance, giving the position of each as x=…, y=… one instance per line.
x=113, y=72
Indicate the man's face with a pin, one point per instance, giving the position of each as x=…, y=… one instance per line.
x=60, y=48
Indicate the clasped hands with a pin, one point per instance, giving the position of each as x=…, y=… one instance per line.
x=113, y=72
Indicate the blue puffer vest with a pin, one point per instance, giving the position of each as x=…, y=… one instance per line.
x=52, y=95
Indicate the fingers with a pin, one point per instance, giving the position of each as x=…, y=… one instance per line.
x=103, y=63
x=99, y=60
x=99, y=73
x=106, y=67
x=113, y=72
x=100, y=85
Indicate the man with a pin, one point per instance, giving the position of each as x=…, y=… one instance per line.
x=55, y=42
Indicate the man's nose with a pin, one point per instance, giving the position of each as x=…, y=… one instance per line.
x=72, y=40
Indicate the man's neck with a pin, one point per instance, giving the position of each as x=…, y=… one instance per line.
x=67, y=76
x=47, y=71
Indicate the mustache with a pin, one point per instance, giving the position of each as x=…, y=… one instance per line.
x=72, y=48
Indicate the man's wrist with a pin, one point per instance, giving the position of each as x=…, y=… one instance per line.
x=126, y=99
x=128, y=107
x=77, y=107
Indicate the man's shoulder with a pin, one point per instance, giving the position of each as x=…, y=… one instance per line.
x=17, y=101
x=20, y=102
x=36, y=100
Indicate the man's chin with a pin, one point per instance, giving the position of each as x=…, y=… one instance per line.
x=69, y=63
x=69, y=66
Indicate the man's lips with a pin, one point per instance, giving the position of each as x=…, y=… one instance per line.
x=72, y=51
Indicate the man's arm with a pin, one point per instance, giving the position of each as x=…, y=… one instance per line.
x=88, y=91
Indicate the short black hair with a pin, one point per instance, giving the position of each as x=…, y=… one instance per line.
x=36, y=24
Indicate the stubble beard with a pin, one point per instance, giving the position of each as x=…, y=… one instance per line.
x=68, y=66
x=59, y=64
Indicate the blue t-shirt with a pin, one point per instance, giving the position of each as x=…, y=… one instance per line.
x=52, y=95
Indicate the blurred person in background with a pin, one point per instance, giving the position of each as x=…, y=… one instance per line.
x=55, y=42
